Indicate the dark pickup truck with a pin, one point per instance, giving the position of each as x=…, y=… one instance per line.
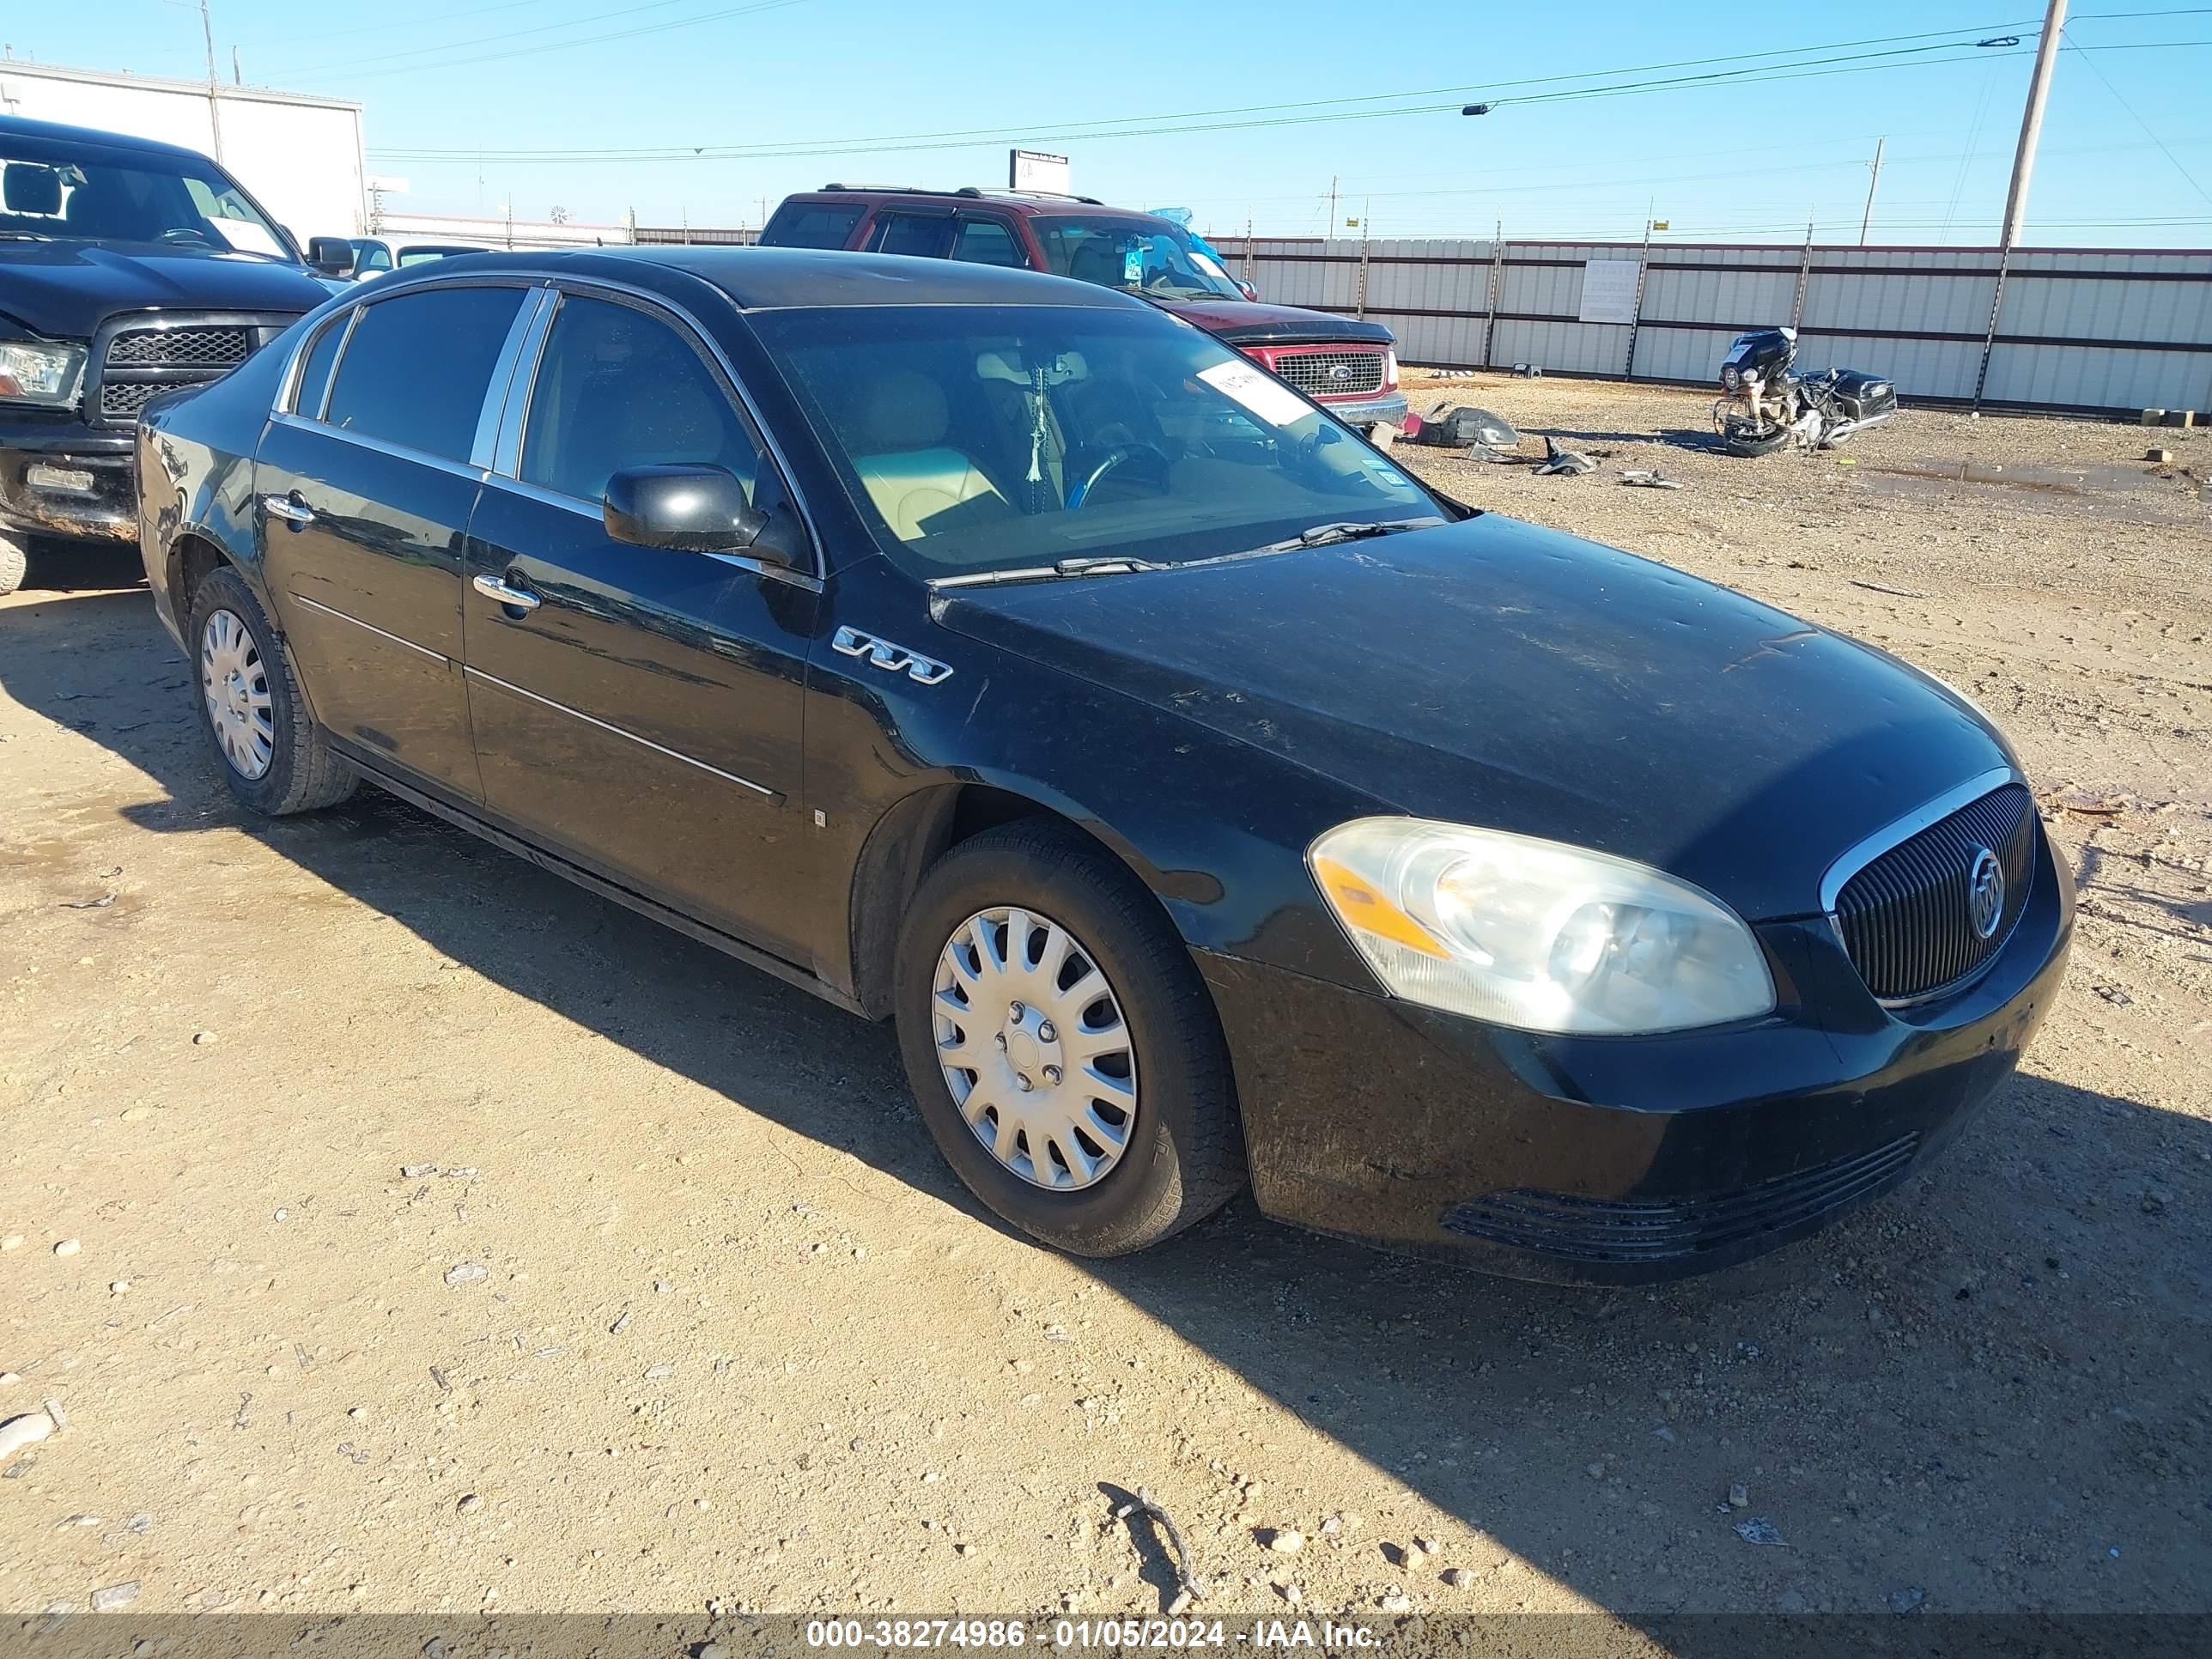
x=127, y=268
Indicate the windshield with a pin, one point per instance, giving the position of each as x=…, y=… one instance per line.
x=50, y=194
x=976, y=440
x=1137, y=256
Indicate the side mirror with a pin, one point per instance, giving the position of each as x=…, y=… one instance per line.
x=688, y=508
x=1247, y=290
x=331, y=255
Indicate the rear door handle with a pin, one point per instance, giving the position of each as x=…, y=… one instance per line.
x=290, y=508
x=492, y=588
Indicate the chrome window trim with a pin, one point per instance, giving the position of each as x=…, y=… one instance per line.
x=1864, y=852
x=288, y=385
x=597, y=515
x=648, y=300
x=492, y=413
x=397, y=452
x=522, y=381
x=476, y=673
x=331, y=610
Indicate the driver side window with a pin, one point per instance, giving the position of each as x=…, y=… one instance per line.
x=616, y=388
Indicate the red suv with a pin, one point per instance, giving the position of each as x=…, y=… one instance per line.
x=1345, y=365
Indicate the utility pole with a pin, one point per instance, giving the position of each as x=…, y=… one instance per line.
x=1330, y=232
x=2030, y=122
x=1872, y=183
x=214, y=106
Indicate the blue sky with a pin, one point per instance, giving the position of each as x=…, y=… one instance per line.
x=867, y=85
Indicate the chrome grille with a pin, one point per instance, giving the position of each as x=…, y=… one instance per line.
x=1652, y=1230
x=1906, y=918
x=1316, y=372
x=155, y=352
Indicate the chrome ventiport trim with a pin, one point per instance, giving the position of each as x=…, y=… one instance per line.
x=330, y=610
x=1857, y=857
x=892, y=658
x=658, y=749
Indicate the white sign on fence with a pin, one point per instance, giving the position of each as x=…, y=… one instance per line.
x=1036, y=169
x=1608, y=291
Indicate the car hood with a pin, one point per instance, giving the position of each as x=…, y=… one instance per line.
x=1494, y=673
x=1246, y=323
x=67, y=289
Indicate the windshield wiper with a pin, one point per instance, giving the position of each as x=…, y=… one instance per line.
x=1320, y=534
x=1110, y=565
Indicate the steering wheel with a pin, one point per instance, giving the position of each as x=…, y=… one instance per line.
x=1080, y=496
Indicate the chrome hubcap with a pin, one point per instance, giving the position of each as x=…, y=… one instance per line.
x=1033, y=1045
x=236, y=687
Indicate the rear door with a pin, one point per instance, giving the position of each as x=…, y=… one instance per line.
x=638, y=708
x=364, y=481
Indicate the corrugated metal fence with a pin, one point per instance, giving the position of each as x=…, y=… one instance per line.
x=2092, y=329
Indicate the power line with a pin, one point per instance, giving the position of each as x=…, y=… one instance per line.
x=491, y=40
x=1151, y=126
x=559, y=45
x=2068, y=40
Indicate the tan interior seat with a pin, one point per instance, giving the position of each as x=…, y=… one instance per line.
x=912, y=475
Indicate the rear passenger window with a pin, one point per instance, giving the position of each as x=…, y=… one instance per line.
x=315, y=373
x=987, y=242
x=417, y=367
x=811, y=224
x=616, y=388
x=912, y=233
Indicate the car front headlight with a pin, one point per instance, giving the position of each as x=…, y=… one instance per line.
x=1536, y=935
x=43, y=372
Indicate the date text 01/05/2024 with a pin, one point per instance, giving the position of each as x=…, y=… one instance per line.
x=1159, y=1633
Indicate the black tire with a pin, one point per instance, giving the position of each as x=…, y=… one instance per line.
x=1185, y=1154
x=14, y=563
x=302, y=773
x=1737, y=443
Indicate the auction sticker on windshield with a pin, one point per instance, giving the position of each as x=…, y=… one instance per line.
x=1271, y=401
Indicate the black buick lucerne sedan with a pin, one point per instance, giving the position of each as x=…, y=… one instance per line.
x=1204, y=799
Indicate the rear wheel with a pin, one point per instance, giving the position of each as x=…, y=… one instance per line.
x=273, y=756
x=1061, y=1046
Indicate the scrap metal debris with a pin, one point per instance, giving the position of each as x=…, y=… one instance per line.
x=1760, y=1531
x=1876, y=587
x=1463, y=424
x=1189, y=1588
x=1568, y=463
x=100, y=903
x=1650, y=478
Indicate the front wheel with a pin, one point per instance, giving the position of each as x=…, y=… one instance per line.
x=14, y=564
x=1063, y=1049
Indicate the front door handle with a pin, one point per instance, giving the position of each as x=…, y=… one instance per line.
x=290, y=508
x=492, y=588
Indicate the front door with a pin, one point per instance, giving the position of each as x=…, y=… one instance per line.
x=639, y=708
x=364, y=489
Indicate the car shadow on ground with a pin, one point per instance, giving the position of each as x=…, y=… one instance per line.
x=1703, y=441
x=1988, y=1388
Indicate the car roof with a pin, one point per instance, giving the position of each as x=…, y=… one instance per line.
x=54, y=133
x=1021, y=203
x=779, y=278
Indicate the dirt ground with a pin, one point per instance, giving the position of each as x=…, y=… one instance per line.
x=402, y=1229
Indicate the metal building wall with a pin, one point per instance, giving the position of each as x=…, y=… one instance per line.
x=2088, y=329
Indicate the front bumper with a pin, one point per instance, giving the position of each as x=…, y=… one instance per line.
x=1383, y=409
x=108, y=511
x=1620, y=1160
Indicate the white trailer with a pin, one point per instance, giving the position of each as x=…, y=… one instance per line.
x=299, y=155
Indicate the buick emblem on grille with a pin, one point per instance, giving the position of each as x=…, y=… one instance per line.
x=1986, y=893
